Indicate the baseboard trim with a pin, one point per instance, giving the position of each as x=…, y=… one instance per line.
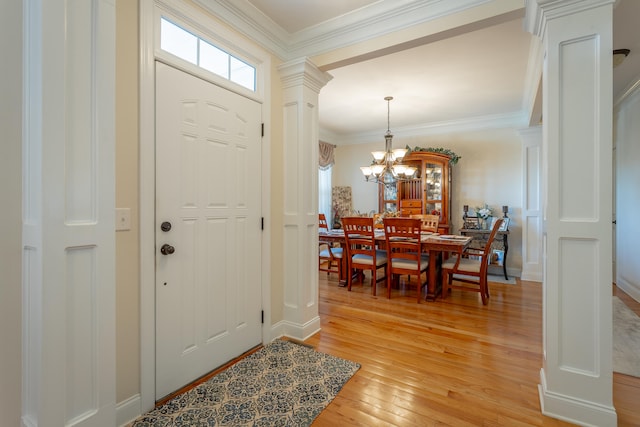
x=576, y=411
x=128, y=410
x=294, y=330
x=531, y=277
x=630, y=289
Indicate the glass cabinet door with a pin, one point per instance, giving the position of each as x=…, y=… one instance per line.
x=433, y=187
x=389, y=193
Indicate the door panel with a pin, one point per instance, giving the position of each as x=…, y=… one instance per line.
x=208, y=291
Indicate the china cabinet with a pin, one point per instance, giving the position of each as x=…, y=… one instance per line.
x=431, y=186
x=388, y=195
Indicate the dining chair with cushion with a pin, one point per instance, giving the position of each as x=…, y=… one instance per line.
x=428, y=222
x=323, y=225
x=404, y=252
x=329, y=256
x=362, y=253
x=467, y=271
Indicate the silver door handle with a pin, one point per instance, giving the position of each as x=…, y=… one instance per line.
x=167, y=249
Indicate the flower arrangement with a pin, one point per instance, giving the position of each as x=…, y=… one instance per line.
x=484, y=212
x=378, y=217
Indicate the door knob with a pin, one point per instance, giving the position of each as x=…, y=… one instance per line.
x=167, y=249
x=165, y=226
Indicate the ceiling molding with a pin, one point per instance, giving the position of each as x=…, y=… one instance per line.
x=252, y=23
x=533, y=80
x=631, y=89
x=362, y=25
x=328, y=136
x=515, y=120
x=378, y=19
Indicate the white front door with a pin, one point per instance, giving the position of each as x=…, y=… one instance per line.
x=208, y=214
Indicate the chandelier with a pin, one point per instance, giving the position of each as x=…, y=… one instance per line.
x=386, y=167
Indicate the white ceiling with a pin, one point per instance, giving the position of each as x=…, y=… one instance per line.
x=294, y=16
x=458, y=76
x=481, y=73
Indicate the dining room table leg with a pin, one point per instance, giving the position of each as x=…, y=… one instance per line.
x=433, y=285
x=342, y=277
x=505, y=242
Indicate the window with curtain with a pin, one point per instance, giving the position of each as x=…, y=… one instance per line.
x=326, y=162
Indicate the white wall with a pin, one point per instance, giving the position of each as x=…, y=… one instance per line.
x=627, y=137
x=346, y=172
x=127, y=186
x=489, y=171
x=11, y=224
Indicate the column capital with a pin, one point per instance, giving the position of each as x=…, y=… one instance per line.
x=538, y=12
x=302, y=71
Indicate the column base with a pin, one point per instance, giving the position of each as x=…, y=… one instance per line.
x=570, y=409
x=296, y=330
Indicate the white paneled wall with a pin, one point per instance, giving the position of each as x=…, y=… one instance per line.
x=68, y=217
x=532, y=264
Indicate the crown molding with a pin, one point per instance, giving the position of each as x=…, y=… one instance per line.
x=250, y=22
x=631, y=89
x=328, y=136
x=533, y=78
x=375, y=20
x=515, y=120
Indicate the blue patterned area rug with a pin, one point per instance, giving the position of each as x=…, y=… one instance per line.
x=282, y=384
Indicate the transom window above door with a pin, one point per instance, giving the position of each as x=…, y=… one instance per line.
x=186, y=45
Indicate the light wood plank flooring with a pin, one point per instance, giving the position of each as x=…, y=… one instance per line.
x=449, y=362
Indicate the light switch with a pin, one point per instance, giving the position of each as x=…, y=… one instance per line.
x=123, y=219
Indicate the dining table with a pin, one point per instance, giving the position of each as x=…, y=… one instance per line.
x=435, y=244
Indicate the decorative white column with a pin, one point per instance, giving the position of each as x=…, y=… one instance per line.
x=68, y=278
x=301, y=82
x=532, y=204
x=576, y=378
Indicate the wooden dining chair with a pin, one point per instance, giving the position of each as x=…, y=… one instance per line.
x=473, y=264
x=404, y=252
x=362, y=253
x=329, y=256
x=428, y=222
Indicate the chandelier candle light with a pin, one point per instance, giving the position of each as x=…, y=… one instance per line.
x=386, y=167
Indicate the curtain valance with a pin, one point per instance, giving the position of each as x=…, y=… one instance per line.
x=325, y=155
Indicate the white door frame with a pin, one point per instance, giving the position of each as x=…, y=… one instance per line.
x=626, y=277
x=150, y=12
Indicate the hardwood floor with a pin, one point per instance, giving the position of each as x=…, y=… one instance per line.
x=448, y=362
x=626, y=389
